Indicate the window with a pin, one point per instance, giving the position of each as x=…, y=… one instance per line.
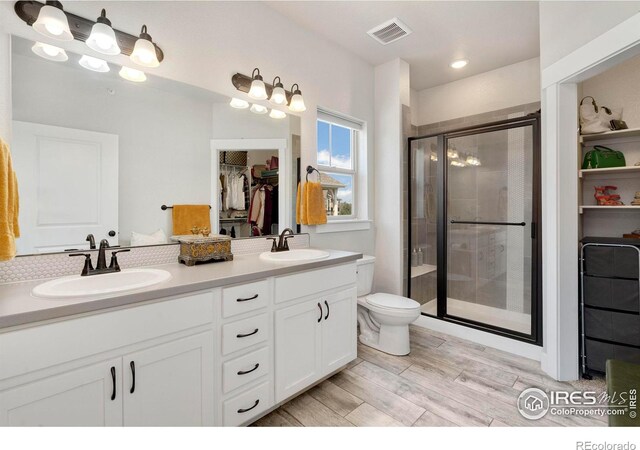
x=337, y=149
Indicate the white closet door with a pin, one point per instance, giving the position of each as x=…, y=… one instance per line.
x=68, y=184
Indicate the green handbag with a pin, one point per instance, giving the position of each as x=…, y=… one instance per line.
x=603, y=157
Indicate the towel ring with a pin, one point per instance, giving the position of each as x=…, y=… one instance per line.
x=310, y=170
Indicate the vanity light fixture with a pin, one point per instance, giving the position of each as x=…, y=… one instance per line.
x=459, y=63
x=130, y=74
x=144, y=52
x=473, y=160
x=452, y=153
x=258, y=109
x=434, y=157
x=103, y=38
x=278, y=94
x=258, y=90
x=52, y=22
x=457, y=163
x=277, y=114
x=238, y=103
x=94, y=64
x=297, y=102
x=49, y=52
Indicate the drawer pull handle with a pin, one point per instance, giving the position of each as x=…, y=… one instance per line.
x=247, y=299
x=113, y=380
x=320, y=308
x=247, y=334
x=241, y=411
x=327, y=305
x=244, y=372
x=133, y=377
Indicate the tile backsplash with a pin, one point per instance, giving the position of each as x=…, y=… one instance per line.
x=35, y=267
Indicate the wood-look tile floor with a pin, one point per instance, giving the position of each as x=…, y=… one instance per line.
x=444, y=381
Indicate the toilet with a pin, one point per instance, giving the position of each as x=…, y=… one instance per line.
x=383, y=318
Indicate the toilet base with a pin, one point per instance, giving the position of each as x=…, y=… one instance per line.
x=389, y=347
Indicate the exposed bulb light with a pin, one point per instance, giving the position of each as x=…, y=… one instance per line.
x=239, y=103
x=49, y=52
x=277, y=114
x=103, y=38
x=457, y=163
x=94, y=64
x=434, y=157
x=278, y=95
x=452, y=153
x=297, y=102
x=52, y=22
x=258, y=109
x=144, y=52
x=258, y=90
x=459, y=63
x=130, y=74
x=473, y=160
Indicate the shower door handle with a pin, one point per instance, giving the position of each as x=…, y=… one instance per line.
x=506, y=224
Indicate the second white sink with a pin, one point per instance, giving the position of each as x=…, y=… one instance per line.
x=297, y=255
x=79, y=286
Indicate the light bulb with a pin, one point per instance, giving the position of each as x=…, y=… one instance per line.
x=278, y=95
x=130, y=74
x=52, y=22
x=144, y=52
x=239, y=103
x=297, y=102
x=434, y=157
x=49, y=52
x=452, y=153
x=103, y=38
x=258, y=109
x=258, y=90
x=277, y=114
x=94, y=64
x=459, y=63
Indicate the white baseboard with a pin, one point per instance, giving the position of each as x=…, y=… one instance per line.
x=480, y=337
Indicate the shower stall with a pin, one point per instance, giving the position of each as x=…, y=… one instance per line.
x=474, y=235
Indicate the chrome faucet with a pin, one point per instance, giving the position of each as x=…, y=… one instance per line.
x=283, y=245
x=101, y=266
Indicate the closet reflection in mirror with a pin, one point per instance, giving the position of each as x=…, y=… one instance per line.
x=97, y=154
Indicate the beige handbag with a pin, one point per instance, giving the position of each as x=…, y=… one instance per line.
x=594, y=119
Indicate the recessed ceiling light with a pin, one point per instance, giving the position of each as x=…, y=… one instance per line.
x=459, y=63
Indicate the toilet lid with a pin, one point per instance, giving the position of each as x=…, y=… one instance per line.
x=392, y=301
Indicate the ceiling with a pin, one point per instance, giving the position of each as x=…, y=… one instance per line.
x=490, y=34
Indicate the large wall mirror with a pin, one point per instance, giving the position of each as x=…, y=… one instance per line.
x=97, y=154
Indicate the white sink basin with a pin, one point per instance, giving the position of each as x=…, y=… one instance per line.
x=298, y=255
x=79, y=286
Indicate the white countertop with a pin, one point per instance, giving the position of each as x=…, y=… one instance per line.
x=19, y=307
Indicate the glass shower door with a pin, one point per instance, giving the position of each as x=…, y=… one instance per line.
x=489, y=219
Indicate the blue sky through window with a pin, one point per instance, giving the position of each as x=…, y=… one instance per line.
x=334, y=145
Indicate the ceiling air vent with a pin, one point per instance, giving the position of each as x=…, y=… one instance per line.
x=390, y=31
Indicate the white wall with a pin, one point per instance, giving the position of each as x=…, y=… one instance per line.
x=508, y=86
x=567, y=25
x=205, y=43
x=163, y=136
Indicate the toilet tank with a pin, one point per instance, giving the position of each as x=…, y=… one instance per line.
x=365, y=274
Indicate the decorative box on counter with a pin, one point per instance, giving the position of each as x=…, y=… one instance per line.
x=198, y=249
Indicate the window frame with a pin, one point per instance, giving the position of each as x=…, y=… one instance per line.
x=353, y=172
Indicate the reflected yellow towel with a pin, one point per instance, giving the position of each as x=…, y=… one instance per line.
x=185, y=217
x=316, y=213
x=301, y=210
x=9, y=205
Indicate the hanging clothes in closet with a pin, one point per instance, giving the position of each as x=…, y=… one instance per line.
x=263, y=211
x=233, y=191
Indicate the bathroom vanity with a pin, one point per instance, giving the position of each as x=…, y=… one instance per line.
x=216, y=345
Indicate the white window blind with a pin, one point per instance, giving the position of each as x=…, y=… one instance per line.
x=338, y=119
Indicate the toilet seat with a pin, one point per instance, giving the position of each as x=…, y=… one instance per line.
x=392, y=302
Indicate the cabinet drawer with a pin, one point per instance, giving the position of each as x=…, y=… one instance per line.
x=244, y=333
x=246, y=406
x=35, y=348
x=310, y=283
x=603, y=261
x=244, y=298
x=612, y=293
x=612, y=326
x=246, y=368
x=598, y=353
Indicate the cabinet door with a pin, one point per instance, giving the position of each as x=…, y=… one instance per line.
x=88, y=396
x=297, y=347
x=170, y=384
x=339, y=334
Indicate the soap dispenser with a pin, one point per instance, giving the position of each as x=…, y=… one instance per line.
x=420, y=257
x=414, y=258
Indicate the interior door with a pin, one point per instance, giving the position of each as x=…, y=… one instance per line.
x=170, y=384
x=88, y=396
x=298, y=347
x=68, y=183
x=339, y=335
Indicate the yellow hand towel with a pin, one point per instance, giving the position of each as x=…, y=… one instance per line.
x=9, y=205
x=185, y=217
x=316, y=213
x=299, y=206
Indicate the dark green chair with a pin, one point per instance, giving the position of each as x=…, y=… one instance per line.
x=624, y=377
